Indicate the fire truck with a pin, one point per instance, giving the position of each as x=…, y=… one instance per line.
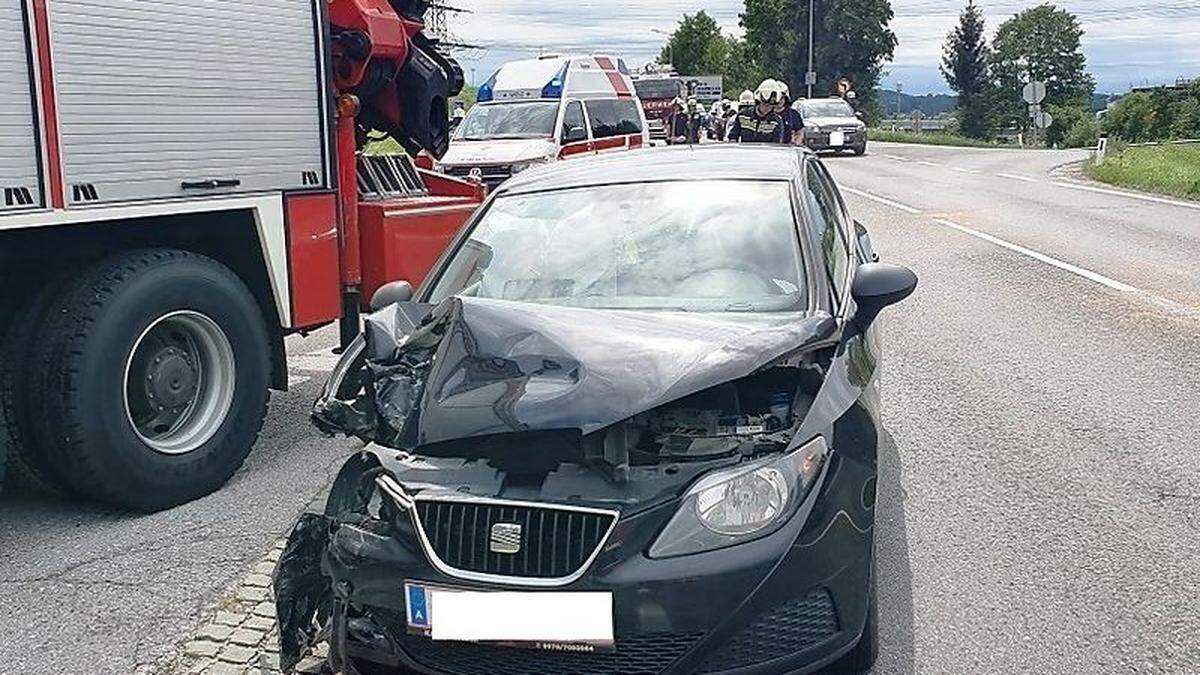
x=183, y=185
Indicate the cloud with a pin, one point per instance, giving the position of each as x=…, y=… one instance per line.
x=1127, y=41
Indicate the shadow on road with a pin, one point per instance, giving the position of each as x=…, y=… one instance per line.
x=893, y=565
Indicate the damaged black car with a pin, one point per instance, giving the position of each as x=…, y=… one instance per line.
x=629, y=425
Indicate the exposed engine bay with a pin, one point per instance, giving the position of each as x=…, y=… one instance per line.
x=475, y=380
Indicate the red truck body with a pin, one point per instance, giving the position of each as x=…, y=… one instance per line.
x=183, y=186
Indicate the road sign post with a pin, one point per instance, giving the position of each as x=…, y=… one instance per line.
x=1033, y=94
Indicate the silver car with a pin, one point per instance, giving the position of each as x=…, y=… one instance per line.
x=831, y=124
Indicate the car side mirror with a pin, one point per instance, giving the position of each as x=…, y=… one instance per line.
x=859, y=115
x=390, y=294
x=574, y=135
x=878, y=286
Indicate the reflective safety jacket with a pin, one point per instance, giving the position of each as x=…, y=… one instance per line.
x=750, y=128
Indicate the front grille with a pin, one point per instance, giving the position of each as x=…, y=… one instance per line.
x=491, y=176
x=645, y=655
x=787, y=629
x=553, y=542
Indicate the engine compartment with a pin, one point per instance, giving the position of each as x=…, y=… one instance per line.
x=747, y=417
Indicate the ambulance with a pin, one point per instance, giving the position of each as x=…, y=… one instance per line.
x=543, y=110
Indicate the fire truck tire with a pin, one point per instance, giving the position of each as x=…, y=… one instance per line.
x=152, y=379
x=25, y=460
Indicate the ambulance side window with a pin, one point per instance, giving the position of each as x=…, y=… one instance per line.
x=614, y=117
x=573, y=119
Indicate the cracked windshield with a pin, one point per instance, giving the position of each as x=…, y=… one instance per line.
x=691, y=246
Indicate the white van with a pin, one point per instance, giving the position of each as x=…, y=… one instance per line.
x=546, y=109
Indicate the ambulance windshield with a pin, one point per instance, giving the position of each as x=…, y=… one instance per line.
x=508, y=120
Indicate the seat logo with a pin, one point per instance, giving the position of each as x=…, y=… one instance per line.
x=506, y=538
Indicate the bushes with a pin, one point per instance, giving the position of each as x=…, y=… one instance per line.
x=1073, y=127
x=1160, y=115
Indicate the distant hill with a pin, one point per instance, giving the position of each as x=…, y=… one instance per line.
x=931, y=105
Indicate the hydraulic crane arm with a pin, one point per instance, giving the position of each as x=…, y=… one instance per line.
x=382, y=56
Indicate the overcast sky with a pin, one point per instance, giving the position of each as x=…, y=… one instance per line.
x=1127, y=41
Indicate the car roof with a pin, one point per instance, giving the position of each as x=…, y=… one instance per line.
x=700, y=162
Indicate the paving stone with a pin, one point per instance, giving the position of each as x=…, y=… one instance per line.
x=266, y=609
x=260, y=623
x=198, y=667
x=236, y=654
x=228, y=618
x=220, y=668
x=201, y=648
x=251, y=594
x=257, y=580
x=246, y=637
x=265, y=568
x=214, y=632
x=268, y=661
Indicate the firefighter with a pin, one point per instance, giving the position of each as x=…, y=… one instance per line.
x=761, y=124
x=677, y=123
x=460, y=113
x=793, y=125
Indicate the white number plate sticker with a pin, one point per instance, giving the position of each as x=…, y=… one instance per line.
x=549, y=620
x=837, y=138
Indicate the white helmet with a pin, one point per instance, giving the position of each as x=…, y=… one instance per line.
x=747, y=98
x=783, y=89
x=768, y=92
x=678, y=102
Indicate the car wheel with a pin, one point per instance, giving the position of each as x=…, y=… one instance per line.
x=860, y=150
x=151, y=382
x=862, y=657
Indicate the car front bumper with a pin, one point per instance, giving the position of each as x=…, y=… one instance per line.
x=819, y=141
x=790, y=602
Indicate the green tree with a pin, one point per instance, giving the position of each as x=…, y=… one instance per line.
x=1042, y=43
x=851, y=39
x=697, y=46
x=965, y=66
x=742, y=70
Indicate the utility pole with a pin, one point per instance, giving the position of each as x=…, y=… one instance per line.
x=810, y=77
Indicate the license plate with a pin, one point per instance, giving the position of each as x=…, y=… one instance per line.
x=581, y=622
x=837, y=138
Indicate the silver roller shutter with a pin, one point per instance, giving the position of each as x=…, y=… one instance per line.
x=19, y=171
x=156, y=94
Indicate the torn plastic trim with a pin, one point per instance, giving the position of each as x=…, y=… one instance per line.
x=396, y=491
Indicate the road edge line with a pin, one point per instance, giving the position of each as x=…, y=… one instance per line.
x=1042, y=257
x=883, y=200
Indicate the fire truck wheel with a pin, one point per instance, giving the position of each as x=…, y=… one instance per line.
x=16, y=347
x=152, y=379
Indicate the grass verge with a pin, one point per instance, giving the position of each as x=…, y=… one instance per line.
x=930, y=138
x=1165, y=169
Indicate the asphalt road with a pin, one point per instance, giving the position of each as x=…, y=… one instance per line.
x=1040, y=501
x=90, y=591
x=1040, y=393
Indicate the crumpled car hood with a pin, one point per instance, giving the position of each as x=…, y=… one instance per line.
x=472, y=367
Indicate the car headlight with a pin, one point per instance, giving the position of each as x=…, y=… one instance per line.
x=742, y=503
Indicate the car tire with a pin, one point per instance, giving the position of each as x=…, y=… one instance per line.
x=860, y=150
x=861, y=658
x=157, y=321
